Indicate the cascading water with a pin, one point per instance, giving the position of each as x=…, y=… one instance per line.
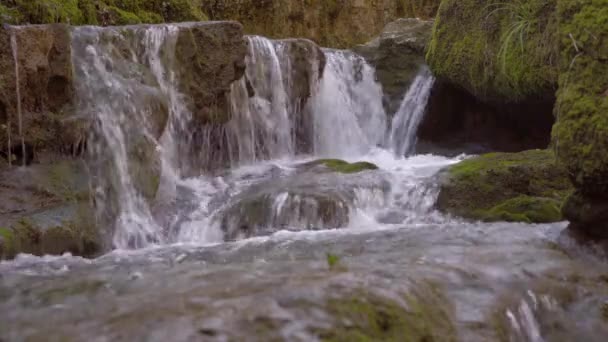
x=349, y=119
x=261, y=127
x=124, y=81
x=410, y=114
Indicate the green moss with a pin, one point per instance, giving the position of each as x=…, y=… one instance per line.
x=106, y=12
x=341, y=166
x=529, y=186
x=524, y=209
x=495, y=52
x=366, y=317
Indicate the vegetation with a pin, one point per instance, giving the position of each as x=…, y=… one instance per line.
x=100, y=12
x=506, y=51
x=530, y=187
x=341, y=166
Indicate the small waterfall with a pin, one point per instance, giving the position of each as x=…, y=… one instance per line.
x=349, y=118
x=124, y=81
x=15, y=50
x=410, y=114
x=261, y=126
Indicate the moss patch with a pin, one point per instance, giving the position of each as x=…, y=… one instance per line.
x=366, y=317
x=341, y=166
x=529, y=186
x=504, y=50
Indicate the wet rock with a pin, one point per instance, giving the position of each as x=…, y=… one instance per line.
x=397, y=54
x=314, y=197
x=45, y=88
x=530, y=186
x=45, y=209
x=581, y=132
x=210, y=56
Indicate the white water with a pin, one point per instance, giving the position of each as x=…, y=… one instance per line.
x=409, y=116
x=349, y=119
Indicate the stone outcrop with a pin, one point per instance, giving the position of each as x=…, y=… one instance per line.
x=397, y=54
x=580, y=135
x=43, y=56
x=496, y=65
x=530, y=187
x=335, y=23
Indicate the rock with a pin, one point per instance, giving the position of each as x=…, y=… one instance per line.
x=530, y=186
x=45, y=209
x=337, y=24
x=397, y=54
x=45, y=89
x=316, y=196
x=504, y=52
x=581, y=132
x=209, y=58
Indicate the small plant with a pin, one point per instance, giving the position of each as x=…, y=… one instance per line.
x=333, y=261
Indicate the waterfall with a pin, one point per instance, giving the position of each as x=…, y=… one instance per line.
x=349, y=118
x=261, y=126
x=147, y=151
x=410, y=114
x=15, y=50
x=124, y=82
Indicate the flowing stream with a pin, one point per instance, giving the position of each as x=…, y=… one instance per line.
x=270, y=247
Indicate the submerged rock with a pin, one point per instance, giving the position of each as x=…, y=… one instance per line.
x=397, y=54
x=581, y=131
x=319, y=195
x=530, y=186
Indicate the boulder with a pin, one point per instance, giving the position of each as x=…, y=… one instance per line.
x=497, y=70
x=398, y=55
x=318, y=195
x=581, y=133
x=502, y=52
x=529, y=186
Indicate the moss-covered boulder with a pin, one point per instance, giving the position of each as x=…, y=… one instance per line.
x=581, y=132
x=504, y=51
x=332, y=23
x=398, y=55
x=529, y=186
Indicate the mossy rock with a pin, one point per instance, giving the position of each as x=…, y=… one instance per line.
x=368, y=317
x=340, y=166
x=529, y=186
x=503, y=51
